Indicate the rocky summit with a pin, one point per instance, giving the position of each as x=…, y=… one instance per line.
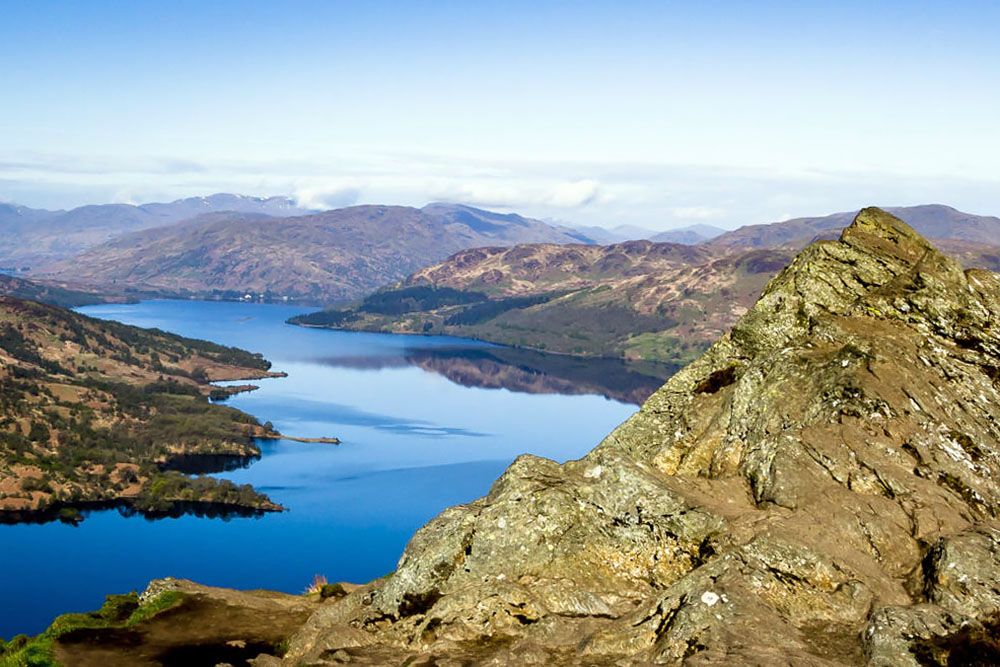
x=819, y=488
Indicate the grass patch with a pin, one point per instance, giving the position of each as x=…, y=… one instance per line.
x=162, y=602
x=118, y=611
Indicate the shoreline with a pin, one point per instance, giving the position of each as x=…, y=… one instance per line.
x=326, y=440
x=484, y=341
x=73, y=513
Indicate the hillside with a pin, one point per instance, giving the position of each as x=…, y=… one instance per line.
x=933, y=221
x=47, y=293
x=324, y=257
x=29, y=237
x=92, y=413
x=640, y=300
x=819, y=488
x=661, y=302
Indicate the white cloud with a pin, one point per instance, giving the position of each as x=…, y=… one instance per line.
x=503, y=193
x=697, y=212
x=653, y=195
x=326, y=196
x=574, y=195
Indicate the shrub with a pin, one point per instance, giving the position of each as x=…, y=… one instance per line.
x=39, y=432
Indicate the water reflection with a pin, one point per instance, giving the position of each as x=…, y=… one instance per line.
x=525, y=371
x=206, y=464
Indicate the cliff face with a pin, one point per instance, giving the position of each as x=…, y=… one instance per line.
x=819, y=488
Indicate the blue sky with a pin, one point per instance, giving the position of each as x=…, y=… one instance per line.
x=659, y=114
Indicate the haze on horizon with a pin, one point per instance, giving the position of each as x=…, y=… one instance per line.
x=653, y=114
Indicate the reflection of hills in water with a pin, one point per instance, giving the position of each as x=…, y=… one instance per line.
x=526, y=371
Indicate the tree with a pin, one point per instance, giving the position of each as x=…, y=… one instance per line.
x=39, y=432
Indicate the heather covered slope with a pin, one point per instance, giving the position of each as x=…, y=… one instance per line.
x=818, y=489
x=640, y=300
x=646, y=300
x=55, y=295
x=91, y=411
x=333, y=255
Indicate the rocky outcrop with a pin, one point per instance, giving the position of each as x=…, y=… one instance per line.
x=178, y=622
x=818, y=489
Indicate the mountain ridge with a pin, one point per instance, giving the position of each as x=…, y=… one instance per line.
x=936, y=221
x=29, y=236
x=336, y=254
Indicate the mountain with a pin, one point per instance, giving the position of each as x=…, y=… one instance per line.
x=47, y=293
x=632, y=232
x=32, y=236
x=504, y=228
x=599, y=235
x=690, y=235
x=932, y=220
x=639, y=300
x=819, y=488
x=336, y=254
x=94, y=413
x=184, y=209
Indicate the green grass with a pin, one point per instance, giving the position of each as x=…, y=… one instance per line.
x=118, y=611
x=663, y=347
x=162, y=602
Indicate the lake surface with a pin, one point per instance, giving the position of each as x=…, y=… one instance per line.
x=426, y=422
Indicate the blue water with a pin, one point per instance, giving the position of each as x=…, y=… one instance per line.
x=414, y=442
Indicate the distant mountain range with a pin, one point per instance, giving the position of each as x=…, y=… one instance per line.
x=227, y=246
x=689, y=235
x=323, y=257
x=934, y=221
x=30, y=236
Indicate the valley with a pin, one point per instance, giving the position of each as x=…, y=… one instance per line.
x=601, y=334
